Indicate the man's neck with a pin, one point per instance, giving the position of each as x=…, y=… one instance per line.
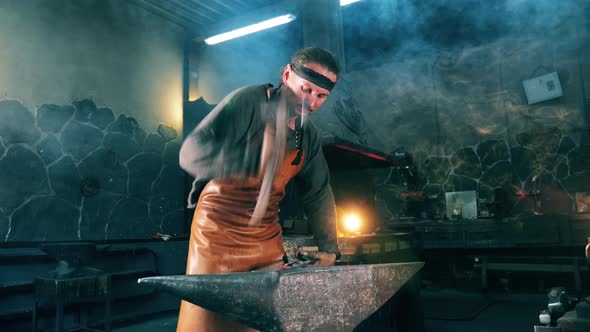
x=292, y=122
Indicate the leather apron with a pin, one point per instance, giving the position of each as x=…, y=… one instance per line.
x=222, y=241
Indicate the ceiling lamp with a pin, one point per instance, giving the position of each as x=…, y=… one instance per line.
x=347, y=2
x=273, y=22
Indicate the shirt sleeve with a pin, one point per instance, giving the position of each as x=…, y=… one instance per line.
x=222, y=144
x=316, y=192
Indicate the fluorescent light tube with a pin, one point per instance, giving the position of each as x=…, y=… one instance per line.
x=347, y=2
x=273, y=22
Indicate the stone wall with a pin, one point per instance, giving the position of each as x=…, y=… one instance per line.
x=540, y=174
x=81, y=172
x=99, y=167
x=451, y=95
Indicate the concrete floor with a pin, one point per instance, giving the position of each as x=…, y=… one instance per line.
x=505, y=312
x=445, y=310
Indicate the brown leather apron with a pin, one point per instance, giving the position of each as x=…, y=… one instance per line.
x=222, y=241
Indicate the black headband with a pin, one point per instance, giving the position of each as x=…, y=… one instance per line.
x=312, y=76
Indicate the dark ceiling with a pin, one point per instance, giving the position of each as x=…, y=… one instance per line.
x=196, y=15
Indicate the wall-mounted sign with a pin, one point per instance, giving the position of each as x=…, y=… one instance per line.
x=542, y=88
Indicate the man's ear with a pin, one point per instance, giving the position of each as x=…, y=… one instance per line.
x=286, y=73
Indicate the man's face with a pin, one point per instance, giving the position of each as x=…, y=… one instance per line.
x=305, y=96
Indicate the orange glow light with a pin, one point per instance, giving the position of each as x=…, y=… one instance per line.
x=352, y=223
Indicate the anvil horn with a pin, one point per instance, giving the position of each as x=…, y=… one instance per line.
x=238, y=296
x=335, y=298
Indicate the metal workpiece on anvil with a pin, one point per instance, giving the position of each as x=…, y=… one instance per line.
x=335, y=298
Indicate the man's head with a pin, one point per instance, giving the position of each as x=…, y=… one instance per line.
x=310, y=77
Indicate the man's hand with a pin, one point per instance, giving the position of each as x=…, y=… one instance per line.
x=323, y=258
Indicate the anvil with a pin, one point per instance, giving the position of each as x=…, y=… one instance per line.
x=335, y=298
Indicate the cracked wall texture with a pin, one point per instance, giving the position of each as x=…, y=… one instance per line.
x=90, y=119
x=77, y=181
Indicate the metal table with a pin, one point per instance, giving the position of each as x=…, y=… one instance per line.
x=83, y=289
